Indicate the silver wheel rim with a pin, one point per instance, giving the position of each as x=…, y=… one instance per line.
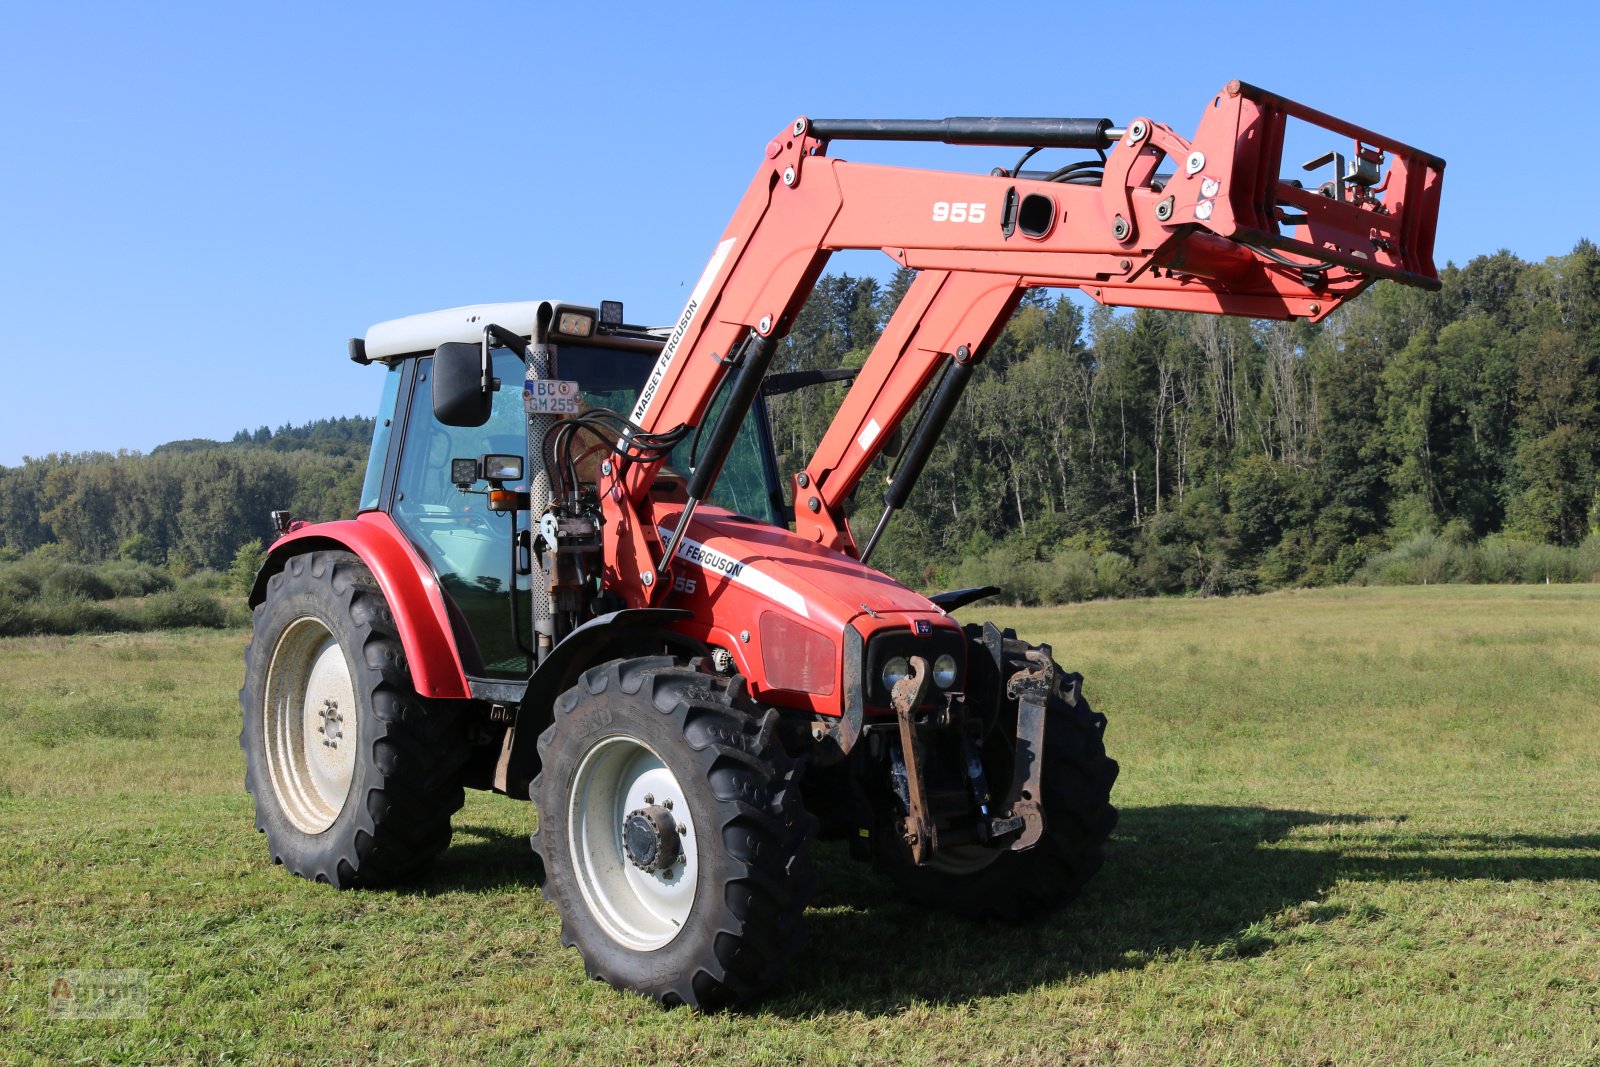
x=640, y=909
x=310, y=725
x=964, y=859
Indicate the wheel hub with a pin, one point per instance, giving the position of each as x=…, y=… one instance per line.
x=331, y=720
x=650, y=838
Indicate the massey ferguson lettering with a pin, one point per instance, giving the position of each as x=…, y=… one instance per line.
x=670, y=350
x=710, y=559
x=660, y=370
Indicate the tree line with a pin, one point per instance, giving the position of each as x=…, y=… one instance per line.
x=1108, y=453
x=1094, y=453
x=194, y=502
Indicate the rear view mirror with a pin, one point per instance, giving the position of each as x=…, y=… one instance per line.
x=462, y=384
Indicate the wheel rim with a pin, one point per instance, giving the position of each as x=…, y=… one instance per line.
x=642, y=909
x=310, y=723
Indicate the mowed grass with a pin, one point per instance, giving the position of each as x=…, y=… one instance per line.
x=1358, y=827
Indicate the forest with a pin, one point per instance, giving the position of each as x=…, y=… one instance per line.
x=1409, y=437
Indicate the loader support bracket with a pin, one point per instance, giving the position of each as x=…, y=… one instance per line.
x=1031, y=687
x=920, y=833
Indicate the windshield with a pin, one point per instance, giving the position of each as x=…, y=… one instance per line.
x=611, y=378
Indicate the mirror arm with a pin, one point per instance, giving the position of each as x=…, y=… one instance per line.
x=506, y=338
x=486, y=367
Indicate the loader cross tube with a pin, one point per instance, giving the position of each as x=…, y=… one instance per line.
x=971, y=130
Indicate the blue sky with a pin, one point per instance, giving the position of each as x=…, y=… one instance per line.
x=200, y=203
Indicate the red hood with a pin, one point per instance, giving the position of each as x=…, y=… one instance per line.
x=816, y=583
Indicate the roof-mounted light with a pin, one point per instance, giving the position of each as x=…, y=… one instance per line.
x=611, y=313
x=574, y=322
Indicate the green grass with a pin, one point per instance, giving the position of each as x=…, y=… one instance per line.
x=1358, y=827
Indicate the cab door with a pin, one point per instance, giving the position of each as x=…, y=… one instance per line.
x=468, y=546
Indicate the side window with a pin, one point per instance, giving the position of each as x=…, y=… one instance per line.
x=742, y=485
x=372, y=483
x=468, y=545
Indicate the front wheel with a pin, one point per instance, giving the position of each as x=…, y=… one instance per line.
x=672, y=834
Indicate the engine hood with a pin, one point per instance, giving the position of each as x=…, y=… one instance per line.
x=816, y=583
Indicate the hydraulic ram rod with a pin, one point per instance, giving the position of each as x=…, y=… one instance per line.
x=1022, y=133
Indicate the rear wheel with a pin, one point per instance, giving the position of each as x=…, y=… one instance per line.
x=1076, y=805
x=354, y=775
x=671, y=832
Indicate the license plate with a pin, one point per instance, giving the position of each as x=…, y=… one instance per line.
x=550, y=396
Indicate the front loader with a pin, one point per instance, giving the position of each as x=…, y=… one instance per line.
x=578, y=577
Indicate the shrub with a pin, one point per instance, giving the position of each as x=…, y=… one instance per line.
x=1500, y=558
x=238, y=614
x=242, y=574
x=1548, y=563
x=140, y=548
x=129, y=579
x=206, y=581
x=25, y=618
x=1069, y=577
x=18, y=583
x=70, y=581
x=1587, y=567
x=1347, y=563
x=1113, y=575
x=182, y=607
x=1423, y=559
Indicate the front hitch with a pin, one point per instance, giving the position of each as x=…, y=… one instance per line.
x=1022, y=814
x=1031, y=688
x=909, y=692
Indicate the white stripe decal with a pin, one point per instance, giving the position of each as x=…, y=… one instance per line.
x=685, y=320
x=869, y=435
x=711, y=562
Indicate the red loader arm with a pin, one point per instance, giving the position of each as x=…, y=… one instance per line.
x=1221, y=233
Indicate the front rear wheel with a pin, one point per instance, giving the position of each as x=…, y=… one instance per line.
x=672, y=834
x=354, y=775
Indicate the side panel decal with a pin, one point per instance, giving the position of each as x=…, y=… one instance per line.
x=716, y=563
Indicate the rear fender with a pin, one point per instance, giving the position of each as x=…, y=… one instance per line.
x=409, y=585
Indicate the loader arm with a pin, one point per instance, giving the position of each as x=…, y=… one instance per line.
x=929, y=335
x=1219, y=232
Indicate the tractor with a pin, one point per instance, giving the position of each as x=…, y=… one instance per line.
x=578, y=577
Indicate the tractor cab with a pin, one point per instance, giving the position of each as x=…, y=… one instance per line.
x=414, y=474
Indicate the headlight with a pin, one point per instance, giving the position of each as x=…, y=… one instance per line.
x=894, y=670
x=944, y=671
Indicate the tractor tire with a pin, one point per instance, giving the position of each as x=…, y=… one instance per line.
x=671, y=833
x=1078, y=819
x=355, y=776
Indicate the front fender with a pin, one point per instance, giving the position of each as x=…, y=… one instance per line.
x=408, y=584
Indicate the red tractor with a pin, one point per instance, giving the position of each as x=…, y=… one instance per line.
x=599, y=593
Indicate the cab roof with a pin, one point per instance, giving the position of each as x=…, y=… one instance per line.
x=427, y=331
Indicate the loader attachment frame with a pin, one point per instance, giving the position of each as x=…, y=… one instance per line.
x=1223, y=232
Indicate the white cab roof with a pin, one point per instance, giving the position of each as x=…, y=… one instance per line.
x=425, y=332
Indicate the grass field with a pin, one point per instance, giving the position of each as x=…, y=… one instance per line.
x=1359, y=826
